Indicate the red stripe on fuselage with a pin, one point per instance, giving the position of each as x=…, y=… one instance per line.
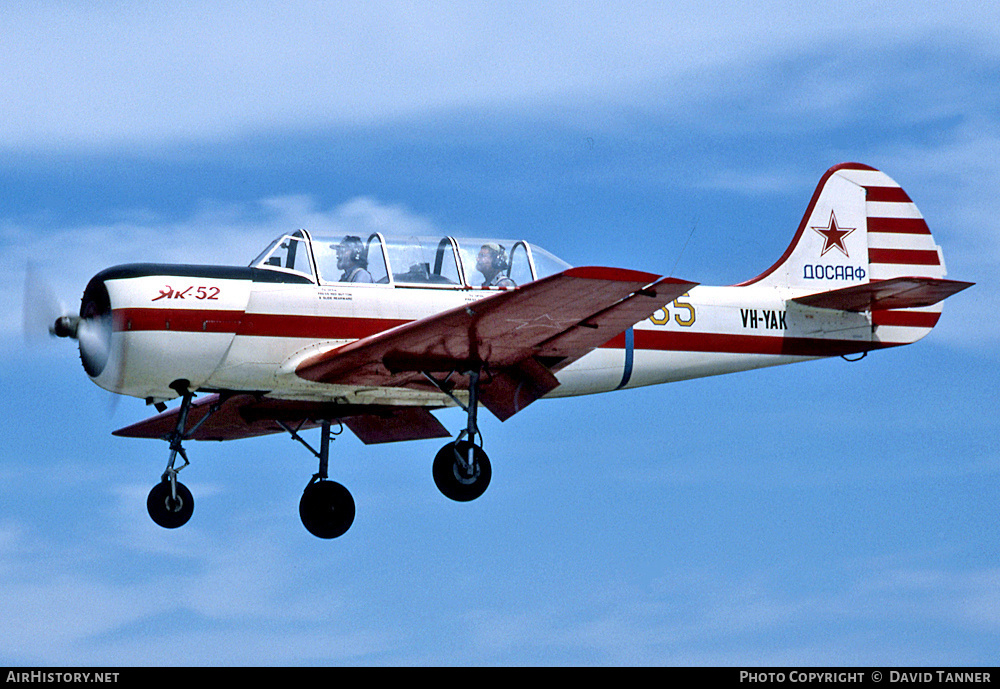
x=317, y=327
x=184, y=320
x=908, y=319
x=340, y=327
x=747, y=344
x=250, y=324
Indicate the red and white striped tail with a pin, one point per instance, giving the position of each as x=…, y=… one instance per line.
x=899, y=245
x=899, y=242
x=861, y=228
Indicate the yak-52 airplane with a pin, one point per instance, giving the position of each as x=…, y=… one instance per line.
x=373, y=333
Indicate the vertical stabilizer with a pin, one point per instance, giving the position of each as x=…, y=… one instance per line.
x=860, y=228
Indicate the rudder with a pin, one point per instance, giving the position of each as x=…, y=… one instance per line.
x=861, y=227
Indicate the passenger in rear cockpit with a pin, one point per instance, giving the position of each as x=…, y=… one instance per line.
x=352, y=258
x=492, y=263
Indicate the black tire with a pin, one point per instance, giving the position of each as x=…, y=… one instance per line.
x=327, y=509
x=166, y=511
x=452, y=481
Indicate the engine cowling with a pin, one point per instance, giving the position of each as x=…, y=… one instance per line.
x=144, y=326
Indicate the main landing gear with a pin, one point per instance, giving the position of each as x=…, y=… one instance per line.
x=461, y=470
x=326, y=507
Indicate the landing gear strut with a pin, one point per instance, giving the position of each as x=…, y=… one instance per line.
x=170, y=503
x=326, y=507
x=461, y=469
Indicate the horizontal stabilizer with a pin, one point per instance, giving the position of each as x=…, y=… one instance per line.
x=895, y=293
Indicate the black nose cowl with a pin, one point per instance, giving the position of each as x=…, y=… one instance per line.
x=94, y=330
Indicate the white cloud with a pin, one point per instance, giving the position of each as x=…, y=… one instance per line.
x=231, y=234
x=953, y=180
x=111, y=73
x=704, y=617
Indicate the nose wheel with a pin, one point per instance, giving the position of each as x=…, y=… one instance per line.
x=170, y=506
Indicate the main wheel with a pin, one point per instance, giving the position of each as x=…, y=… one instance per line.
x=453, y=479
x=167, y=511
x=326, y=509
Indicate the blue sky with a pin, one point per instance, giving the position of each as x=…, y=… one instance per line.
x=826, y=513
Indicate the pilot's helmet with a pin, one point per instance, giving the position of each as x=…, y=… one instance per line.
x=353, y=248
x=498, y=253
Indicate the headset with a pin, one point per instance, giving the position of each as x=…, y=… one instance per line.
x=356, y=248
x=500, y=260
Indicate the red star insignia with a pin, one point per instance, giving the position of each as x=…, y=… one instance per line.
x=834, y=236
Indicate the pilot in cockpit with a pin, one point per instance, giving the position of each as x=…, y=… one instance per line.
x=492, y=262
x=352, y=258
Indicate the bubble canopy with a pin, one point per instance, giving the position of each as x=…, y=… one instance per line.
x=437, y=262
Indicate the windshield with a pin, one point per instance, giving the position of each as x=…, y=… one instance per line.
x=437, y=262
x=288, y=254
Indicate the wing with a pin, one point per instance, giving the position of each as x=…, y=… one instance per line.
x=230, y=417
x=519, y=337
x=895, y=293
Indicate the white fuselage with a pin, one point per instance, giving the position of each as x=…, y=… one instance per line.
x=235, y=332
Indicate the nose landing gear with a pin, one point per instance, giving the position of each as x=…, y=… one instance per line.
x=170, y=504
